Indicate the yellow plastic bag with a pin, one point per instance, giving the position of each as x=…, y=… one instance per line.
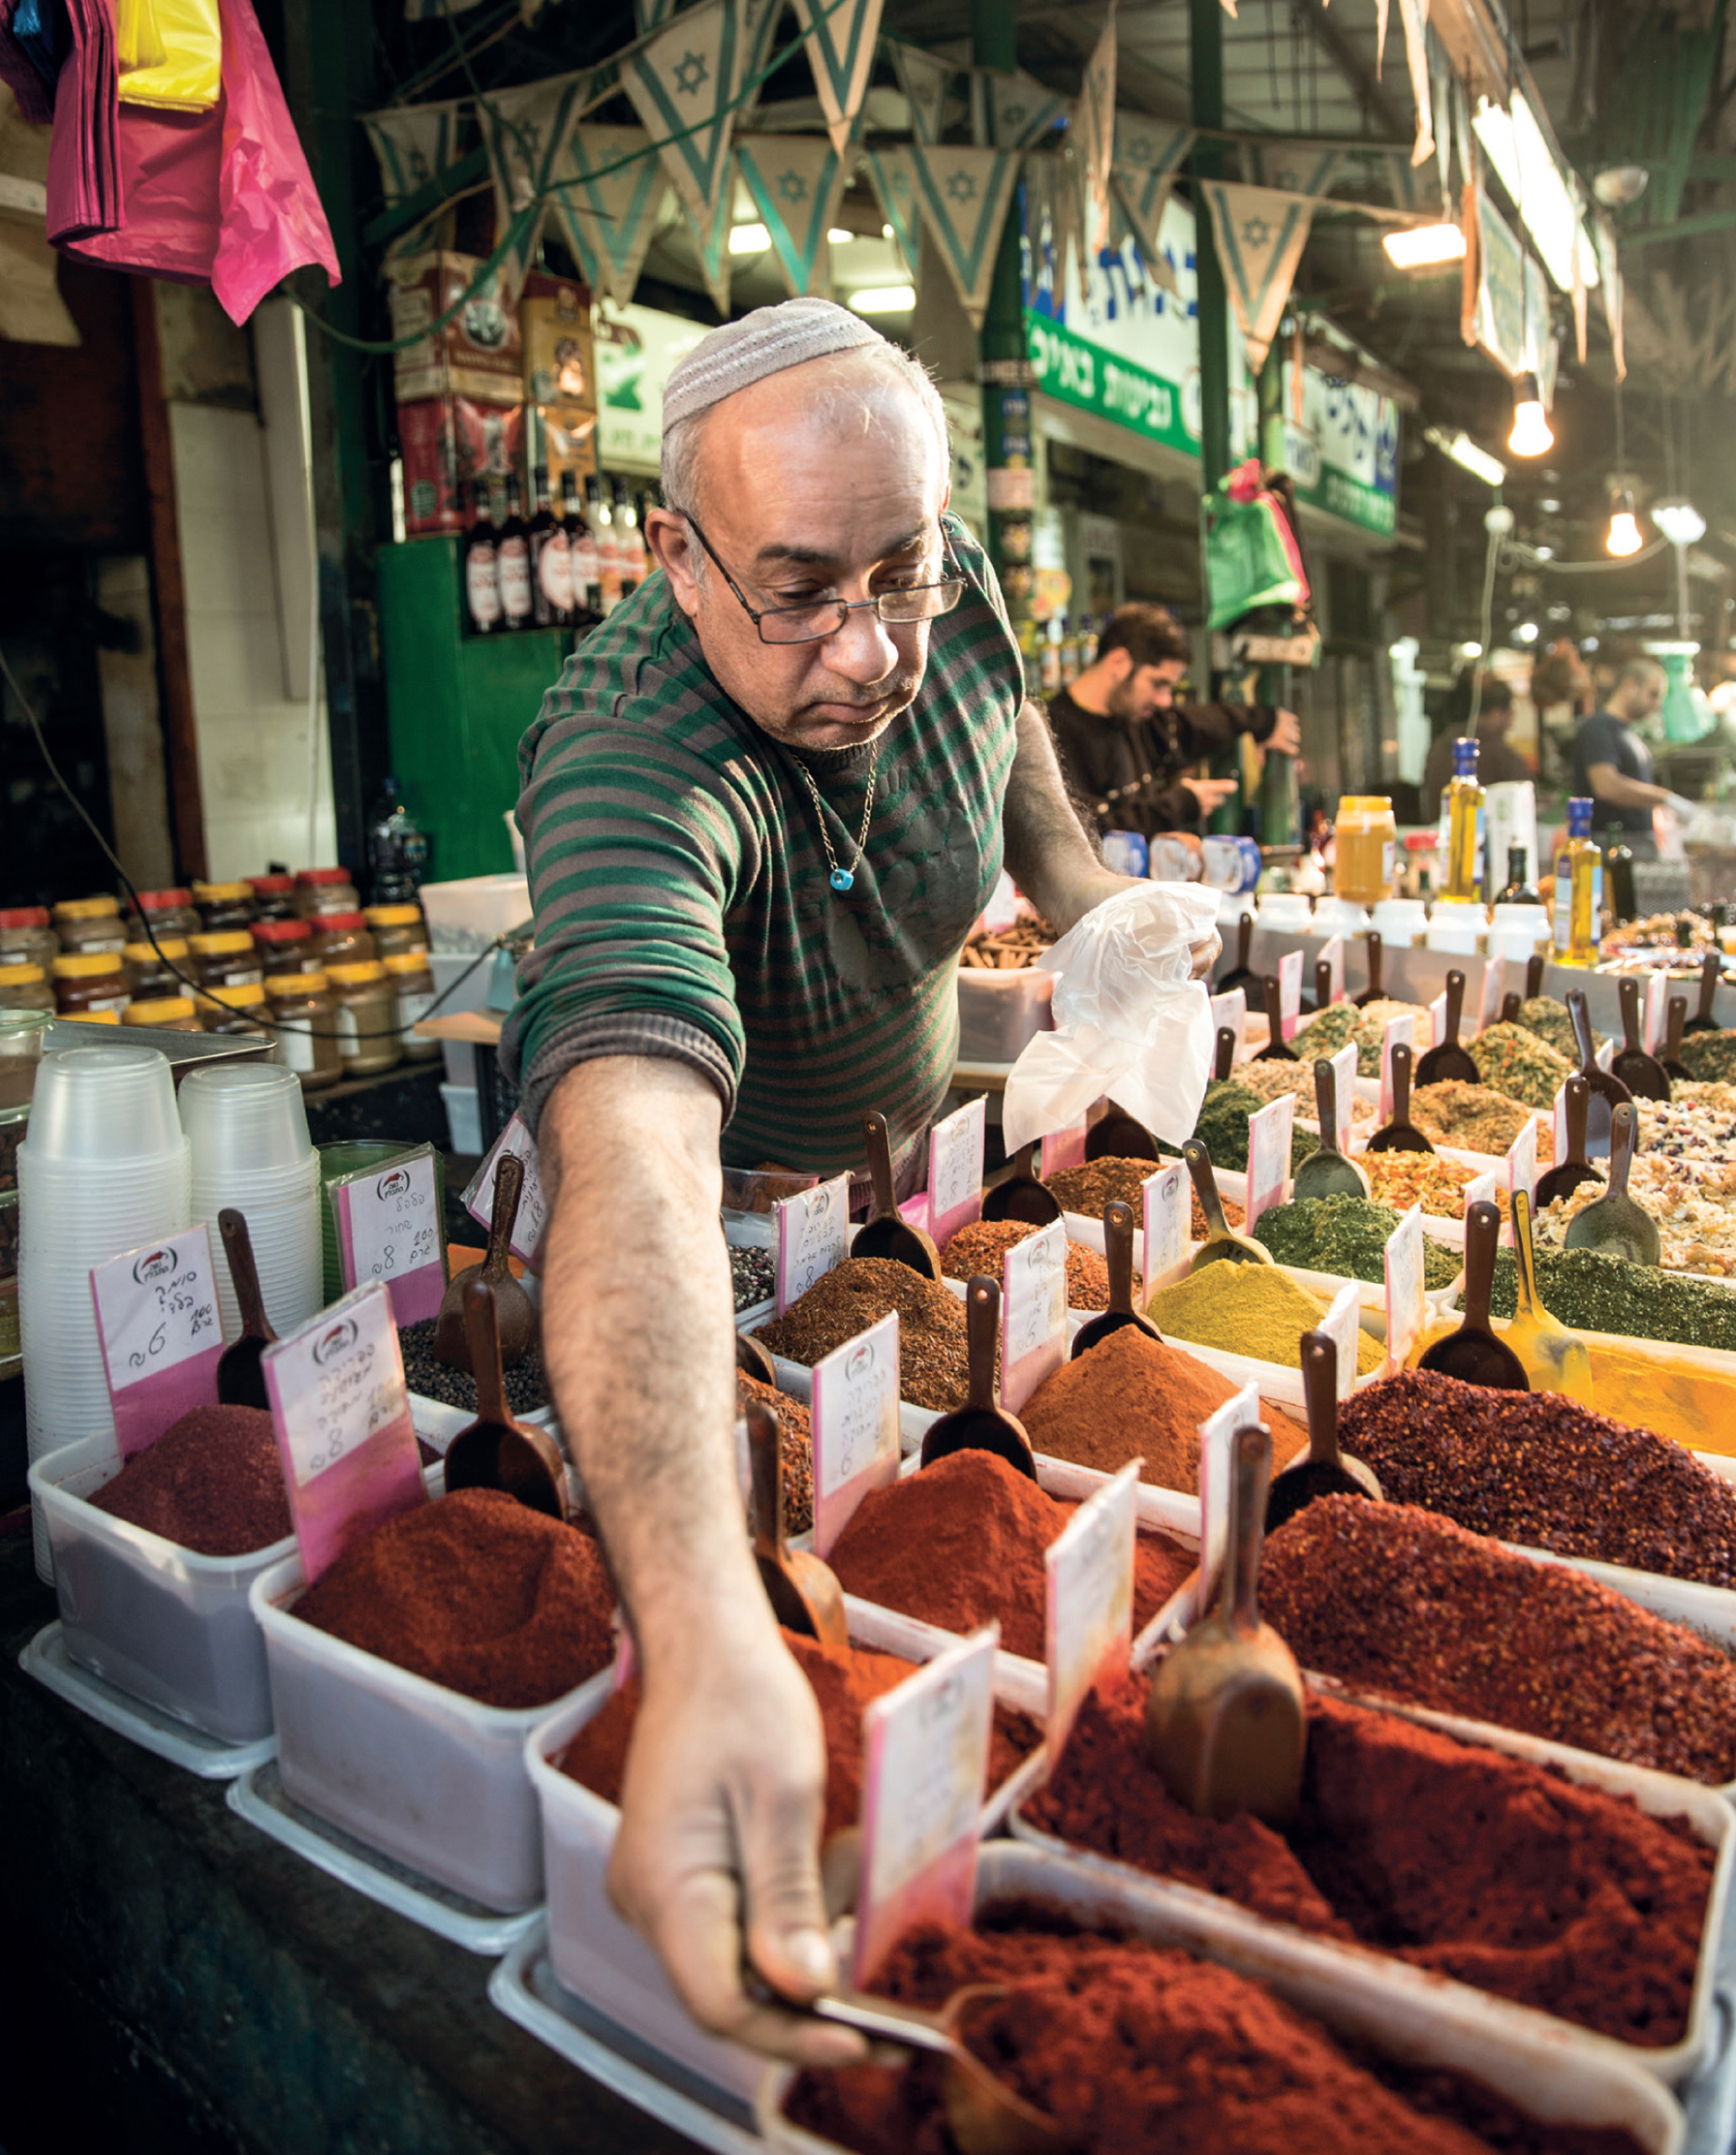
x=178, y=53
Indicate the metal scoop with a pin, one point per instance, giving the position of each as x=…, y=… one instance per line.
x=1239, y=975
x=1643, y=1075
x=804, y=1593
x=240, y=1378
x=1118, y=1252
x=1712, y=971
x=1676, y=1014
x=1275, y=1050
x=1606, y=1092
x=1473, y=1354
x=981, y=1424
x=514, y=1313
x=1323, y=1469
x=1447, y=1062
x=1328, y=1172
x=1225, y=1725
x=1222, y=1244
x=1615, y=1223
x=497, y=1451
x=886, y=1235
x=1400, y=1135
x=1020, y=1196
x=1373, y=992
x=1555, y=1359
x=1566, y=1177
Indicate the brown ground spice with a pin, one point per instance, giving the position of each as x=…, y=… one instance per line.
x=1534, y=1467
x=1088, y=1189
x=212, y=1482
x=1134, y=1396
x=1394, y=1599
x=935, y=1369
x=982, y=1247
x=795, y=1441
x=1465, y=1861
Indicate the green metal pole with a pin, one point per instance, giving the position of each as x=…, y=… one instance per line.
x=1205, y=18
x=1005, y=370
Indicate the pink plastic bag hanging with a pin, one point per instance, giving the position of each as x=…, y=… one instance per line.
x=85, y=192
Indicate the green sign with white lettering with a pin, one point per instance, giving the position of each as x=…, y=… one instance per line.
x=1114, y=387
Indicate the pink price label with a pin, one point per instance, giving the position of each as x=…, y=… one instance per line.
x=1064, y=1148
x=1269, y=1132
x=1088, y=1609
x=1169, y=1215
x=344, y=1431
x=1217, y=1438
x=1406, y=1308
x=157, y=1320
x=389, y=1228
x=1343, y=1092
x=1342, y=1326
x=1231, y=1009
x=1397, y=1029
x=1289, y=994
x=1522, y=1162
x=925, y=1763
x=813, y=1236
x=1495, y=988
x=956, y=1149
x=1332, y=954
x=855, y=1427
x=1032, y=1313
x=533, y=1206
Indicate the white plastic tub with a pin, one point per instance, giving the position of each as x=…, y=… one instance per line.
x=1000, y=1014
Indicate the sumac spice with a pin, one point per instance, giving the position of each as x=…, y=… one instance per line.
x=212, y=1482
x=795, y=1441
x=475, y=1591
x=934, y=1365
x=982, y=1247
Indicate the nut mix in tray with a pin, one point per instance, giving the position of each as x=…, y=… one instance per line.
x=1692, y=1202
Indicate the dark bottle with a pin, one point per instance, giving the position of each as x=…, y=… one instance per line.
x=515, y=552
x=1618, y=876
x=587, y=556
x=551, y=562
x=397, y=849
x=634, y=563
x=1520, y=889
x=482, y=567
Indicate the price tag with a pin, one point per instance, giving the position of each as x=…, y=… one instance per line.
x=1289, y=994
x=1495, y=990
x=1344, y=1075
x=1342, y=1326
x=1216, y=1435
x=1088, y=1610
x=1032, y=1313
x=157, y=1320
x=1064, y=1148
x=813, y=1235
x=1165, y=1196
x=1561, y=1121
x=389, y=1227
x=955, y=1170
x=1657, y=1019
x=925, y=1761
x=1522, y=1162
x=1481, y=1189
x=348, y=1453
x=1332, y=953
x=1269, y=1131
x=1606, y=1056
x=1401, y=1028
x=1231, y=1009
x=533, y=1207
x=1437, y=1019
x=1405, y=1306
x=855, y=1427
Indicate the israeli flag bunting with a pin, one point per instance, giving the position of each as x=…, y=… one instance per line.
x=796, y=181
x=525, y=130
x=413, y=144
x=893, y=172
x=609, y=192
x=841, y=47
x=1260, y=236
x=925, y=82
x=963, y=194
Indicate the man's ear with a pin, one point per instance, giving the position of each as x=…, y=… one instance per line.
x=670, y=540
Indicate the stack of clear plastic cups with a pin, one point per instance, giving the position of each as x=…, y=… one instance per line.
x=248, y=1130
x=105, y=1169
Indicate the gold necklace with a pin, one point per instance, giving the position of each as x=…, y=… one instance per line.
x=842, y=879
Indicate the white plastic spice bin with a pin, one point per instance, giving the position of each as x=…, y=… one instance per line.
x=1000, y=1014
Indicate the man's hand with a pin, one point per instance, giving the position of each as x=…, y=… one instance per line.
x=1287, y=735
x=1206, y=955
x=1210, y=793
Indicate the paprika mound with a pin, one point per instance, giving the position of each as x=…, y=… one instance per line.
x=982, y=1247
x=1461, y=1861
x=962, y=1543
x=1248, y=1309
x=933, y=1364
x=212, y=1482
x=476, y=1592
x=1134, y=1395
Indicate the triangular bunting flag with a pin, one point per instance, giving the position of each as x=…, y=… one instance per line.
x=609, y=188
x=1609, y=276
x=413, y=144
x=759, y=22
x=525, y=130
x=1018, y=109
x=796, y=181
x=652, y=15
x=1092, y=135
x=682, y=85
x=1260, y=236
x=710, y=234
x=1471, y=277
x=1294, y=168
x=1414, y=14
x=924, y=81
x=1148, y=156
x=1579, y=298
x=1050, y=217
x=1380, y=38
x=963, y=194
x=840, y=45
x=893, y=172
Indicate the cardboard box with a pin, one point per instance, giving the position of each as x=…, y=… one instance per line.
x=448, y=443
x=554, y=325
x=476, y=354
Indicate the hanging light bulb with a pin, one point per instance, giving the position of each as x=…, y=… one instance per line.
x=1624, y=532
x=1531, y=435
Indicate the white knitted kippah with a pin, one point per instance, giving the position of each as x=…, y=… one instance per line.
x=764, y=342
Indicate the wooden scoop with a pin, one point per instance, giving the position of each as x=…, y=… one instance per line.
x=497, y=1451
x=1400, y=1135
x=1020, y=1196
x=1118, y=1251
x=1239, y=975
x=1712, y=971
x=804, y=1593
x=1275, y=1050
x=1447, y=1062
x=886, y=1234
x=1224, y=1060
x=981, y=1424
x=1676, y=1015
x=1327, y=1172
x=1534, y=976
x=1225, y=1725
x=1220, y=1242
x=1566, y=1177
x=240, y=1378
x=1615, y=1223
x=514, y=1313
x=1555, y=1359
x=1473, y=1354
x=1117, y=1136
x=1323, y=1469
x=1643, y=1075
x=1322, y=986
x=753, y=1361
x=1509, y=1007
x=1606, y=1092
x=1374, y=991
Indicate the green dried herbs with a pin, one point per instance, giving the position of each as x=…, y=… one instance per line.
x=1469, y=1119
x=1710, y=1056
x=1550, y=1021
x=1328, y=1030
x=1347, y=1237
x=1513, y=1060
x=1592, y=1292
x=1223, y=1127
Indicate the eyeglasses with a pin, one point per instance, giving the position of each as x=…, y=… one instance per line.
x=813, y=624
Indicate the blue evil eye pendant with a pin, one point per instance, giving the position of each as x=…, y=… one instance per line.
x=842, y=879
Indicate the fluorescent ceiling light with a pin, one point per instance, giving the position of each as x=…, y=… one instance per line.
x=1515, y=146
x=885, y=299
x=1680, y=522
x=838, y=235
x=748, y=240
x=1465, y=454
x=1421, y=246
x=1531, y=435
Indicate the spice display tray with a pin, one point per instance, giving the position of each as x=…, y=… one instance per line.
x=1443, y=2025
x=526, y=1989
x=414, y=1770
x=259, y=1797
x=47, y=1659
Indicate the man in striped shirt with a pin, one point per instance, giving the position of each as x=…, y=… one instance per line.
x=762, y=806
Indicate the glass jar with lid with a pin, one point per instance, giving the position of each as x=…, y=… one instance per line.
x=285, y=946
x=273, y=897
x=89, y=924
x=164, y=912
x=1368, y=843
x=25, y=936
x=304, y=1025
x=396, y=929
x=225, y=959
x=88, y=983
x=240, y=1009
x=342, y=939
x=223, y=906
x=413, y=990
x=367, y=1017
x=176, y=1012
x=22, y=1036
x=326, y=891
x=26, y=987
x=148, y=968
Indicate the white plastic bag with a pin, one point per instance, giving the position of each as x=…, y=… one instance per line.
x=1129, y=1018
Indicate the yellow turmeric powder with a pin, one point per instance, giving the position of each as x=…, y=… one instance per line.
x=1257, y=1310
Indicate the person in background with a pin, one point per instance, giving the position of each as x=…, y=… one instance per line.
x=1614, y=766
x=1125, y=743
x=1499, y=763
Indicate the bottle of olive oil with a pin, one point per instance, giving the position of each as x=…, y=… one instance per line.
x=1465, y=827
x=1578, y=889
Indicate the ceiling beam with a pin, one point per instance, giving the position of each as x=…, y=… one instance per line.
x=1368, y=93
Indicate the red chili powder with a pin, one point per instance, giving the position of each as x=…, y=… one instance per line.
x=1134, y=2045
x=963, y=1542
x=1465, y=1861
x=212, y=1482
x=476, y=1592
x=844, y=1680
